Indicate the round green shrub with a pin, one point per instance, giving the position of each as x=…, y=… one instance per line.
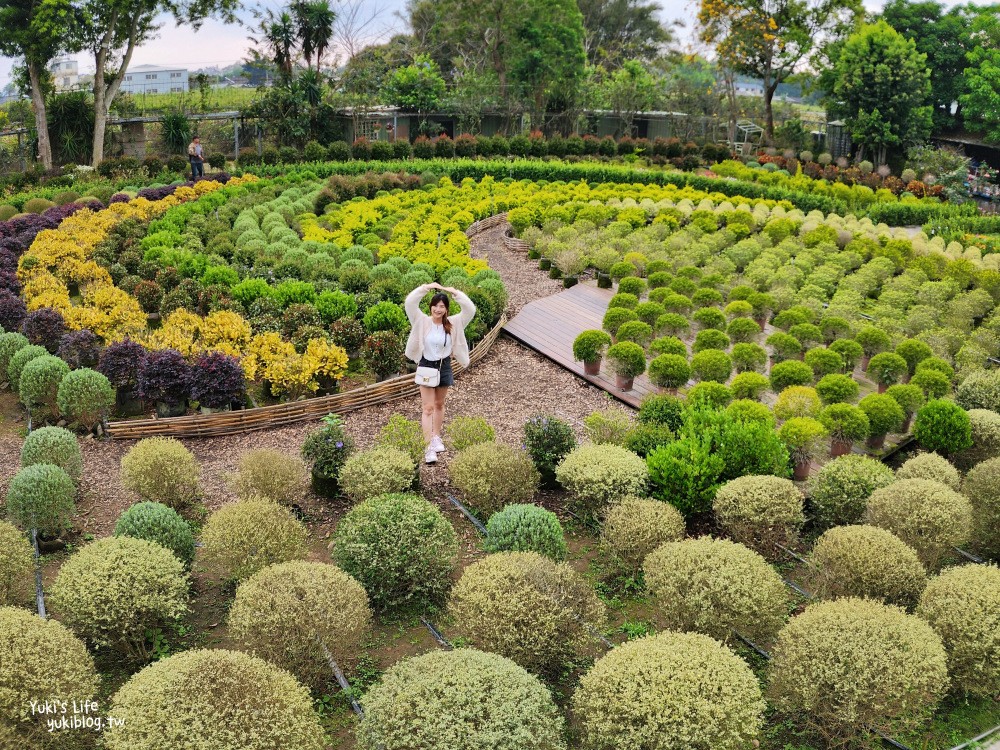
x=669, y=691
x=468, y=700
x=283, y=612
x=615, y=317
x=633, y=527
x=38, y=385
x=116, y=589
x=909, y=397
x=19, y=360
x=590, y=345
x=401, y=548
x=491, y=475
x=824, y=361
x=669, y=345
x=837, y=389
x=943, y=427
x=672, y=324
x=610, y=425
x=938, y=365
x=84, y=397
x=669, y=371
x=56, y=446
x=845, y=422
x=887, y=368
x=40, y=497
x=850, y=351
x=929, y=516
x=17, y=567
x=627, y=359
x=866, y=562
x=982, y=487
x=525, y=607
x=743, y=330
x=797, y=401
x=760, y=511
x=157, y=523
x=711, y=365
x=662, y=409
x=271, y=474
x=979, y=390
x=749, y=385
x=714, y=586
x=884, y=414
x=839, y=491
x=10, y=344
x=785, y=347
x=802, y=437
x=525, y=528
x=405, y=435
x=377, y=471
x=710, y=338
x=913, y=352
x=465, y=432
x=237, y=701
x=710, y=317
x=746, y=410
x=963, y=606
x=709, y=394
x=873, y=340
x=930, y=466
x=788, y=373
x=650, y=312
x=852, y=666
x=748, y=357
x=161, y=470
x=246, y=536
x=636, y=332
x=597, y=475
x=42, y=661
x=632, y=285
x=932, y=383
x=625, y=300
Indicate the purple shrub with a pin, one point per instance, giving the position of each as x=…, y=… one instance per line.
x=45, y=327
x=12, y=311
x=217, y=380
x=166, y=377
x=121, y=363
x=119, y=198
x=80, y=349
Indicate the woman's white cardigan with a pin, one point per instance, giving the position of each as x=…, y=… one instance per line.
x=421, y=323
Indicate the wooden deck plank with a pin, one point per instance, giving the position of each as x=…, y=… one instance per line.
x=549, y=326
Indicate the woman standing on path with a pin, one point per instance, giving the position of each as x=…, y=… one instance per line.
x=433, y=340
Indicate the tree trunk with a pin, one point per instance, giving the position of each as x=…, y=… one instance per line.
x=100, y=115
x=41, y=122
x=105, y=91
x=769, y=90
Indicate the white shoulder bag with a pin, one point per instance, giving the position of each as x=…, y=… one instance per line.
x=430, y=376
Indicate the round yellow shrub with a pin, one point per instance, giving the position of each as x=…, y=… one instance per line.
x=867, y=562
x=284, y=612
x=115, y=589
x=40, y=660
x=634, y=527
x=963, y=606
x=599, y=474
x=161, y=470
x=760, y=511
x=213, y=700
x=854, y=665
x=930, y=466
x=17, y=566
x=271, y=474
x=379, y=471
x=672, y=691
x=526, y=607
x=492, y=475
x=459, y=700
x=714, y=586
x=929, y=516
x=246, y=536
x=982, y=487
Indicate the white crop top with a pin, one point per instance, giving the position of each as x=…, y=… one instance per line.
x=437, y=344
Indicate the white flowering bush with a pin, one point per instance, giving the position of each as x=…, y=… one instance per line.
x=930, y=466
x=760, y=511
x=840, y=490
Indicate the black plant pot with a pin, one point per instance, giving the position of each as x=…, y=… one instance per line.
x=127, y=403
x=545, y=264
x=555, y=273
x=569, y=281
x=170, y=408
x=603, y=281
x=325, y=486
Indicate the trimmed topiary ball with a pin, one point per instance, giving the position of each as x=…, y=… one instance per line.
x=459, y=700
x=246, y=536
x=715, y=586
x=41, y=497
x=760, y=511
x=929, y=516
x=839, y=491
x=56, y=446
x=851, y=666
x=237, y=701
x=985, y=426
x=490, y=475
x=943, y=427
x=867, y=562
x=597, y=475
x=17, y=567
x=525, y=528
x=84, y=397
x=982, y=487
x=42, y=661
x=633, y=527
x=930, y=466
x=376, y=472
x=284, y=612
x=161, y=470
x=527, y=608
x=963, y=606
x=401, y=548
x=116, y=589
x=157, y=523
x=38, y=386
x=667, y=692
x=273, y=475
x=465, y=432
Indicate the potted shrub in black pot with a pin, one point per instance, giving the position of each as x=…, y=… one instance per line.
x=327, y=449
x=166, y=379
x=217, y=382
x=121, y=363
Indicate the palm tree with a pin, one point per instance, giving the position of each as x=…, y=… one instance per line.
x=278, y=38
x=314, y=21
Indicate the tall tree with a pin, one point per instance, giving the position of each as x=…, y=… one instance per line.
x=771, y=39
x=38, y=30
x=619, y=30
x=276, y=40
x=883, y=87
x=629, y=90
x=314, y=20
x=417, y=87
x=981, y=99
x=114, y=28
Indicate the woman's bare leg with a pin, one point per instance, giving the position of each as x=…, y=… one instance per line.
x=428, y=409
x=440, y=394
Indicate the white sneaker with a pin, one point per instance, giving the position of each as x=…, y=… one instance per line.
x=436, y=445
x=430, y=456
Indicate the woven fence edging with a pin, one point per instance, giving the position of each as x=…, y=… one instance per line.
x=280, y=415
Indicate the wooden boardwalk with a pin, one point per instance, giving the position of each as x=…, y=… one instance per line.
x=549, y=326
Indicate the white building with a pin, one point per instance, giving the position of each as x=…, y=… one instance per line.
x=65, y=73
x=155, y=79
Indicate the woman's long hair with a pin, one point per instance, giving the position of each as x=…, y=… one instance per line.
x=442, y=297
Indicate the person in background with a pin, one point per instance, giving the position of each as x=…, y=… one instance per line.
x=196, y=155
